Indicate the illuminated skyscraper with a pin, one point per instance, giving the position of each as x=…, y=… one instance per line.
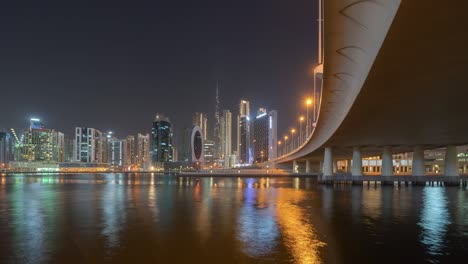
x=201, y=120
x=42, y=144
x=161, y=136
x=116, y=151
x=264, y=135
x=143, y=150
x=88, y=145
x=243, y=132
x=226, y=136
x=130, y=158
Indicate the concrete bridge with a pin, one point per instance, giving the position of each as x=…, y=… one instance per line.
x=395, y=80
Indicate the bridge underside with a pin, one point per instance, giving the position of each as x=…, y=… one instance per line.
x=416, y=92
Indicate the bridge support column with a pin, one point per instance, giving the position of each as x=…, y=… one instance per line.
x=451, y=166
x=295, y=166
x=307, y=167
x=348, y=166
x=387, y=164
x=328, y=162
x=418, y=161
x=357, y=162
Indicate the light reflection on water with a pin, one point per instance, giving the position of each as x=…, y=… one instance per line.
x=152, y=218
x=434, y=220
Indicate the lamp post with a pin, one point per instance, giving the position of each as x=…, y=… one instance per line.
x=279, y=149
x=286, y=144
x=292, y=138
x=301, y=119
x=308, y=103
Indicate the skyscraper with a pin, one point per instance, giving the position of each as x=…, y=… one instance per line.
x=243, y=132
x=41, y=144
x=130, y=151
x=201, y=120
x=226, y=139
x=5, y=150
x=116, y=150
x=217, y=139
x=161, y=136
x=273, y=134
x=88, y=145
x=143, y=150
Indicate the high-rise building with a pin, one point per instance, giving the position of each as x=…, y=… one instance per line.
x=184, y=147
x=217, y=135
x=161, y=140
x=130, y=158
x=243, y=132
x=265, y=135
x=68, y=149
x=197, y=147
x=260, y=136
x=41, y=144
x=272, y=134
x=116, y=151
x=226, y=140
x=143, y=150
x=6, y=149
x=88, y=145
x=200, y=120
x=208, y=152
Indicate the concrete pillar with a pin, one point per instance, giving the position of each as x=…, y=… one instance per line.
x=418, y=161
x=348, y=166
x=387, y=162
x=357, y=162
x=328, y=162
x=307, y=167
x=335, y=166
x=295, y=166
x=451, y=161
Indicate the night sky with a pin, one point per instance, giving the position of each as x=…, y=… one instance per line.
x=113, y=67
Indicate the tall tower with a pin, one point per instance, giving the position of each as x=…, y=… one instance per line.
x=217, y=128
x=227, y=136
x=161, y=143
x=243, y=132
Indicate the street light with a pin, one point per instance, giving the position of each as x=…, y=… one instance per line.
x=286, y=144
x=301, y=119
x=308, y=103
x=292, y=137
x=279, y=144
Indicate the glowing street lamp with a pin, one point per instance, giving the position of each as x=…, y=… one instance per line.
x=279, y=144
x=292, y=137
x=308, y=103
x=301, y=119
x=286, y=144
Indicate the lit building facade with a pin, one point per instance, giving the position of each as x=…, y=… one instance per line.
x=130, y=158
x=88, y=145
x=143, y=150
x=226, y=139
x=197, y=147
x=116, y=152
x=161, y=140
x=42, y=144
x=201, y=120
x=243, y=132
x=208, y=152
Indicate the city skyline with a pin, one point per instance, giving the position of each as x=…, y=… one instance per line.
x=117, y=84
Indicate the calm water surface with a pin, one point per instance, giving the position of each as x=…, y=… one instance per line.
x=145, y=218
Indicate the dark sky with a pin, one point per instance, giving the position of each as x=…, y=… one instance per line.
x=113, y=65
